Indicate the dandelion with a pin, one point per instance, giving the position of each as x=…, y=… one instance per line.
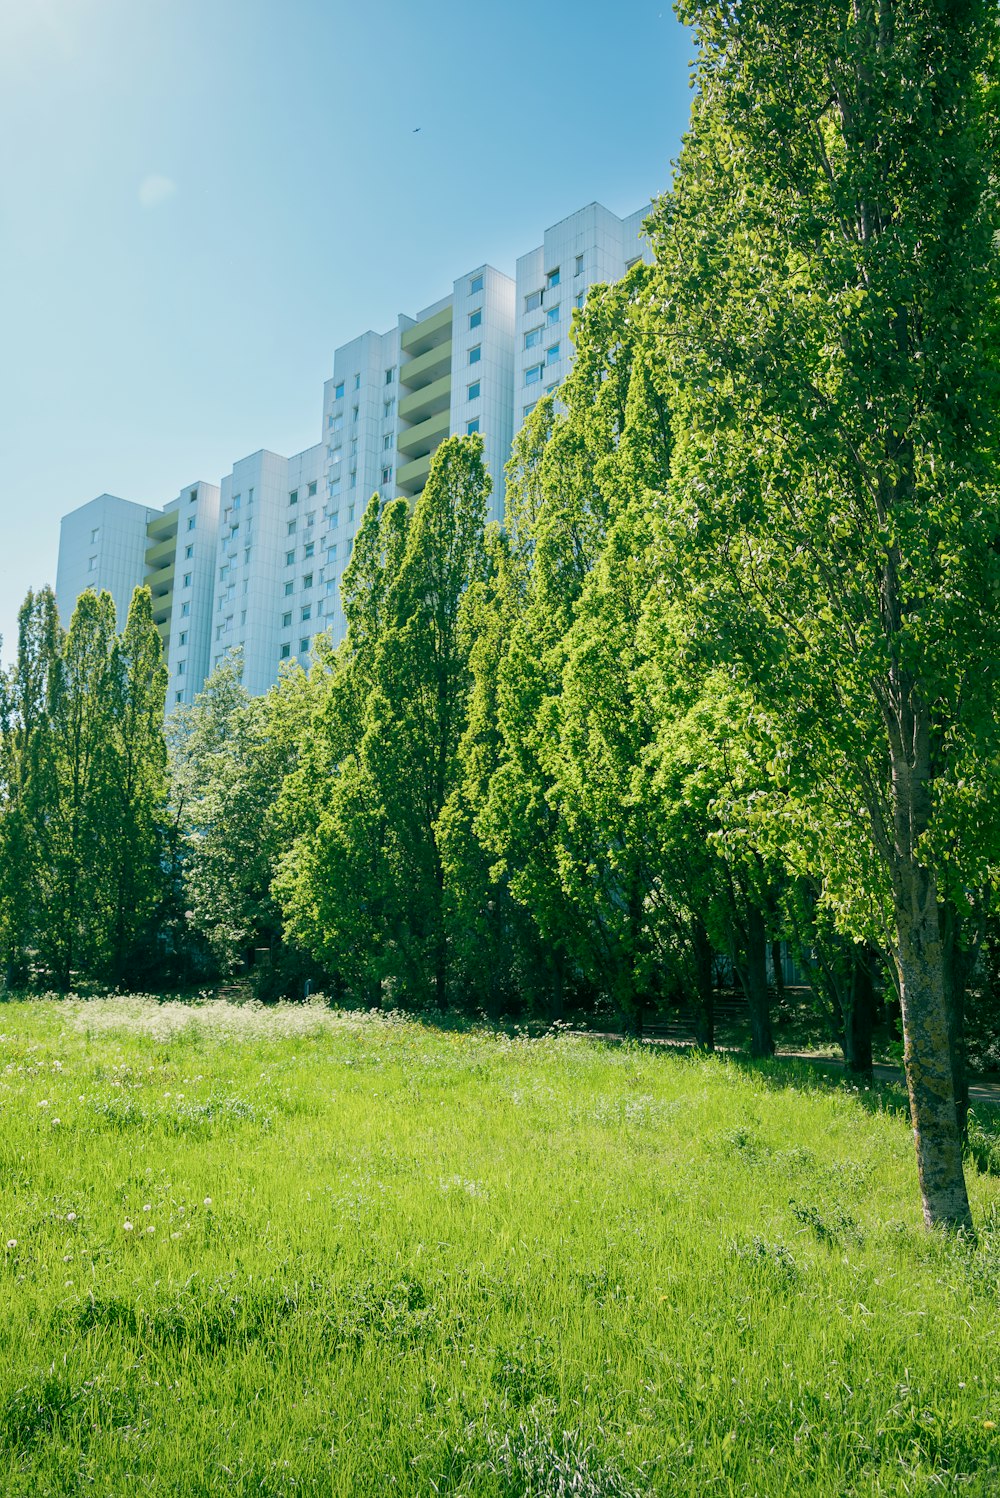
x=11, y=1242
x=127, y=1226
x=55, y=1122
x=175, y=1235
x=44, y=1103
x=147, y=1207
x=67, y=1258
x=151, y=1229
x=207, y=1201
x=67, y=1284
x=70, y=1216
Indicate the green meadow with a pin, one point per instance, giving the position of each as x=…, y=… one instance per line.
x=294, y=1251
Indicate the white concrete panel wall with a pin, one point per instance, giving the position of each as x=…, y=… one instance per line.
x=484, y=319
x=101, y=545
x=190, y=646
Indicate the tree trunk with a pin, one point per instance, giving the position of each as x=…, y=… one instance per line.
x=705, y=995
x=859, y=1016
x=958, y=964
x=752, y=973
x=927, y=1054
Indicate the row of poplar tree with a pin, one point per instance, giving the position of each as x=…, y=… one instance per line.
x=726, y=676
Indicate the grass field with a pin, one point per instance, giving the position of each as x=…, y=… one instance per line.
x=295, y=1252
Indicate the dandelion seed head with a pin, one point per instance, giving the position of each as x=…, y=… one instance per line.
x=127, y=1226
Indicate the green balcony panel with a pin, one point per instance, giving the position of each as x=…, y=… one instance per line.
x=424, y=438
x=425, y=335
x=163, y=551
x=428, y=401
x=414, y=475
x=429, y=367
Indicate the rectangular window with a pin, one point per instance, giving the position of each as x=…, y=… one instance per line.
x=354, y=413
x=552, y=316
x=387, y=475
x=188, y=553
x=474, y=391
x=331, y=552
x=387, y=407
x=528, y=409
x=185, y=610
x=533, y=375
x=390, y=375
x=357, y=384
x=580, y=298
x=92, y=565
x=579, y=265
x=338, y=391
x=94, y=535
x=293, y=497
x=286, y=621
x=334, y=517
x=533, y=337
x=309, y=548
x=472, y=426
x=354, y=480
x=533, y=301
x=476, y=318
x=552, y=278
x=552, y=354
x=475, y=285
x=286, y=651
x=182, y=638
x=192, y=522
x=291, y=527
x=350, y=514
x=475, y=354
x=310, y=519
x=312, y=489
x=304, y=646
x=307, y=612
x=289, y=589
x=187, y=579
x=338, y=421
x=181, y=668
x=178, y=696
x=307, y=581
x=386, y=442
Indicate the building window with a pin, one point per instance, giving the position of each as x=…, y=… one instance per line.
x=354, y=479
x=312, y=489
x=286, y=651
x=552, y=278
x=338, y=391
x=551, y=389
x=286, y=621
x=304, y=646
x=293, y=497
x=475, y=354
x=387, y=475
x=386, y=442
x=307, y=581
x=533, y=337
x=94, y=535
x=185, y=610
x=472, y=426
x=92, y=565
x=630, y=263
x=533, y=301
x=291, y=527
x=387, y=407
x=338, y=422
x=579, y=265
x=552, y=316
x=289, y=588
x=181, y=667
x=331, y=552
x=357, y=384
x=475, y=285
x=192, y=522
x=307, y=612
x=474, y=391
x=354, y=412
x=182, y=638
x=178, y=696
x=350, y=514
x=580, y=298
x=533, y=375
x=476, y=318
x=528, y=409
x=188, y=553
x=192, y=497
x=334, y=517
x=187, y=579
x=236, y=501
x=289, y=558
x=309, y=548
x=552, y=354
x=390, y=374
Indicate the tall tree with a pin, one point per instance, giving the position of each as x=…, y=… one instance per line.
x=827, y=316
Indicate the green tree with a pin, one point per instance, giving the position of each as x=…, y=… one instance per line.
x=826, y=320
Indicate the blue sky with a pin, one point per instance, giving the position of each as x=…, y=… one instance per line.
x=199, y=199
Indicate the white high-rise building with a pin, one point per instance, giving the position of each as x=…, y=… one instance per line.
x=256, y=564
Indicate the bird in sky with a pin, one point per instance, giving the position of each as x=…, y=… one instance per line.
x=417, y=129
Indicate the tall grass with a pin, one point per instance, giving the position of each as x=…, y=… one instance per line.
x=294, y=1252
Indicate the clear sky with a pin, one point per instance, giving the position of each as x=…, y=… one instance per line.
x=199, y=199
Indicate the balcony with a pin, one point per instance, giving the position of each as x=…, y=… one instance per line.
x=161, y=582
x=412, y=477
x=423, y=439
x=418, y=373
x=162, y=551
x=427, y=401
x=426, y=335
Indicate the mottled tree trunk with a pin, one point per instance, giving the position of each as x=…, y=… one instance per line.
x=927, y=1052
